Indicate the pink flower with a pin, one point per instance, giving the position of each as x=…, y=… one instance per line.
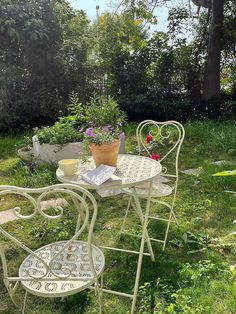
x=149, y=138
x=155, y=156
x=106, y=128
x=89, y=132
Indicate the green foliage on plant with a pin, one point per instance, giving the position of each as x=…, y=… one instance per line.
x=225, y=173
x=75, y=106
x=26, y=143
x=59, y=134
x=101, y=112
x=105, y=115
x=200, y=242
x=48, y=49
x=44, y=49
x=71, y=121
x=30, y=37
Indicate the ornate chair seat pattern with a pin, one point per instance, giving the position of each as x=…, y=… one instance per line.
x=75, y=257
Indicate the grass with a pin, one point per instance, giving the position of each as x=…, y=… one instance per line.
x=192, y=276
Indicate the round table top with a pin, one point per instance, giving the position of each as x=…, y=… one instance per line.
x=132, y=169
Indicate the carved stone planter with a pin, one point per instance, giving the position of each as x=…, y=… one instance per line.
x=24, y=154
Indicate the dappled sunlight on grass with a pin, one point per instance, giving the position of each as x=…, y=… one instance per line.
x=193, y=272
x=7, y=164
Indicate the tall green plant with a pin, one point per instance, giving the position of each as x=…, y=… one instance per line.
x=101, y=112
x=75, y=106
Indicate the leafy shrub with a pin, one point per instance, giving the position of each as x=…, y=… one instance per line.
x=26, y=102
x=157, y=105
x=75, y=106
x=71, y=128
x=103, y=112
x=59, y=134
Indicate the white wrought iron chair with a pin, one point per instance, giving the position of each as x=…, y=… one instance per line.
x=167, y=136
x=61, y=268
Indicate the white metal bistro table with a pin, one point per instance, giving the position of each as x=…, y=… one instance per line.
x=133, y=171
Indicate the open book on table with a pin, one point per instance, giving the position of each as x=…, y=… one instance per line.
x=101, y=176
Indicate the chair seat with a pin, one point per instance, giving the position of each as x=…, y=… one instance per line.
x=75, y=257
x=158, y=190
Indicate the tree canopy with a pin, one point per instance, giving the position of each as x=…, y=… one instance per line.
x=48, y=50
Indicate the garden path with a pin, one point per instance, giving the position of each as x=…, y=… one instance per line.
x=8, y=215
x=199, y=170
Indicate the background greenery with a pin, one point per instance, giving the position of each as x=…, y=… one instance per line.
x=48, y=49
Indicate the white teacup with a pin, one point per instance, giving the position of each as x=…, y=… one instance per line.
x=68, y=166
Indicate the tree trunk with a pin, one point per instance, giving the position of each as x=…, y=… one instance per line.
x=202, y=3
x=211, y=87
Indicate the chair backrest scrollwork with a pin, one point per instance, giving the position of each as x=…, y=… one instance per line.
x=168, y=134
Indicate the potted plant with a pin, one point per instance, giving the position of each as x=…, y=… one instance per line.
x=26, y=151
x=104, y=135
x=104, y=144
x=64, y=139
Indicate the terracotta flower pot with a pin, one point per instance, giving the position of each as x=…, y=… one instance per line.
x=105, y=154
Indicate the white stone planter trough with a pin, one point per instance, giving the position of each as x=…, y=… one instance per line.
x=54, y=153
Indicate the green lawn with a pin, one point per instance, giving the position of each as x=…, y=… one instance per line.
x=192, y=276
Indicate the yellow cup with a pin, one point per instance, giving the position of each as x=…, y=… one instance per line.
x=68, y=166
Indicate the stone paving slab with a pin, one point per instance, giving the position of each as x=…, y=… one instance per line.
x=8, y=215
x=222, y=162
x=197, y=171
x=53, y=202
x=193, y=172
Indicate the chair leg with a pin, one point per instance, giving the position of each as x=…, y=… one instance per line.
x=174, y=217
x=100, y=296
x=24, y=303
x=12, y=292
x=168, y=227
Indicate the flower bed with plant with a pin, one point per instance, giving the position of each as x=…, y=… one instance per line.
x=103, y=115
x=68, y=129
x=99, y=112
x=60, y=133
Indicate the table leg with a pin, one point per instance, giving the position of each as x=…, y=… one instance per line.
x=144, y=236
x=140, y=214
